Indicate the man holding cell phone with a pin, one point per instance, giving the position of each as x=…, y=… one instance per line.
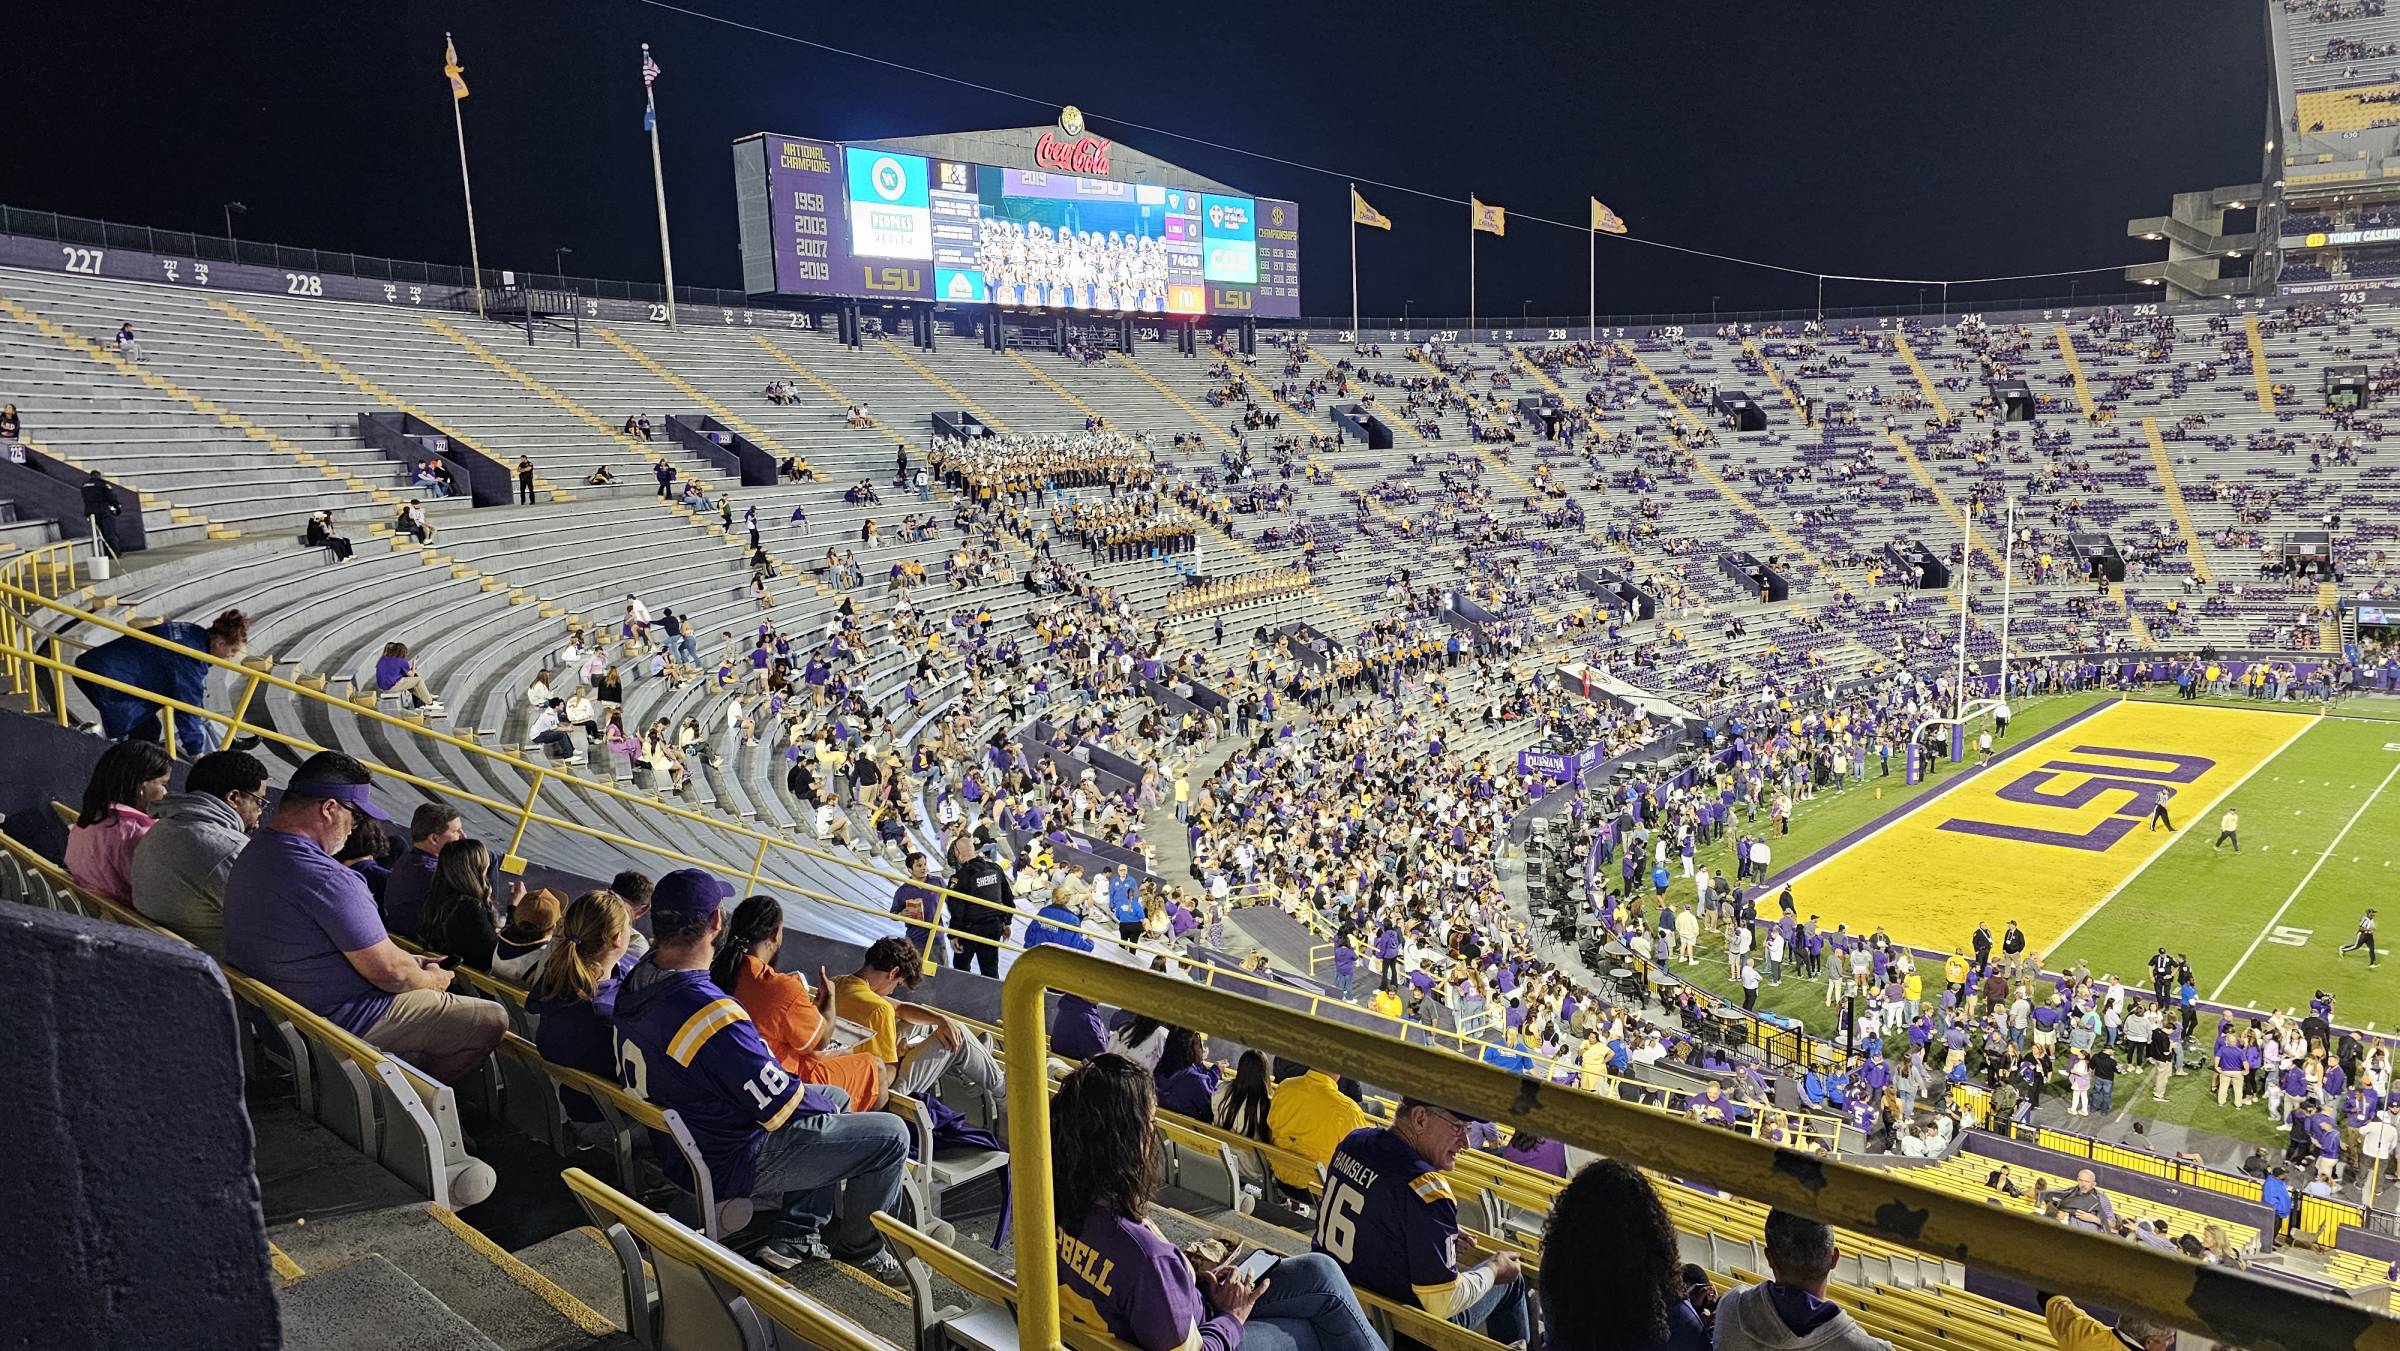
x=1389, y=1218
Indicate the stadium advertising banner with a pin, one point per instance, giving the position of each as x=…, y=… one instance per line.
x=852, y=220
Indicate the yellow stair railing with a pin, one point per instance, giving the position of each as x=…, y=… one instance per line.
x=738, y=852
x=2167, y=483
x=1933, y=393
x=1885, y=1205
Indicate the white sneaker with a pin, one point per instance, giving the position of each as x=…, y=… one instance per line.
x=577, y=758
x=434, y=711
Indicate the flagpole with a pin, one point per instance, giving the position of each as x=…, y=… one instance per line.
x=1354, y=262
x=467, y=186
x=658, y=180
x=1470, y=260
x=1591, y=245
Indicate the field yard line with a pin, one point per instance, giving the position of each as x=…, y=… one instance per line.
x=2304, y=881
x=2189, y=822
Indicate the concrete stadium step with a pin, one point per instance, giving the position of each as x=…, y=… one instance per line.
x=328, y=1207
x=370, y=1302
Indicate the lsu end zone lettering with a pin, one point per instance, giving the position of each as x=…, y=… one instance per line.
x=2045, y=834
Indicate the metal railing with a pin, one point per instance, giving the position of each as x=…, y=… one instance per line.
x=49, y=571
x=42, y=664
x=91, y=233
x=1888, y=1205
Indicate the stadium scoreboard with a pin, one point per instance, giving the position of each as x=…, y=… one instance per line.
x=825, y=218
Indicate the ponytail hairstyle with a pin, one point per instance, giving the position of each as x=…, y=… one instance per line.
x=573, y=971
x=754, y=921
x=232, y=628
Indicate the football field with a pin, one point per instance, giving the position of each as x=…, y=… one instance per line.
x=2057, y=835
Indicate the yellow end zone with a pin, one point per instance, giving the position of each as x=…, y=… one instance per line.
x=2048, y=834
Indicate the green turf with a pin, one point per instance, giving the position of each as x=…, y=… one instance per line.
x=2207, y=904
x=2336, y=783
x=1820, y=821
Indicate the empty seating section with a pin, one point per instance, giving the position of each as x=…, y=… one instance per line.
x=2337, y=49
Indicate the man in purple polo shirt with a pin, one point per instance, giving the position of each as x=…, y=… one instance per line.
x=307, y=926
x=432, y=826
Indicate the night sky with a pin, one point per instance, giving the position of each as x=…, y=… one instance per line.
x=1889, y=139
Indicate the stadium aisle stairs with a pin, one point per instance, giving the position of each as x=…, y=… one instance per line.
x=369, y=1263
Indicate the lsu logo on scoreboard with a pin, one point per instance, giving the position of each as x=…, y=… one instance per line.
x=2068, y=787
x=896, y=280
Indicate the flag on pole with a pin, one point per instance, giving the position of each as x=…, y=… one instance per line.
x=1363, y=214
x=451, y=68
x=1491, y=220
x=1606, y=221
x=649, y=78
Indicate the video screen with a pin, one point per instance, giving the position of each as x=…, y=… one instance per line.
x=965, y=233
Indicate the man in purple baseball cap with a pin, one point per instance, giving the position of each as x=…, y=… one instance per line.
x=794, y=1148
x=298, y=920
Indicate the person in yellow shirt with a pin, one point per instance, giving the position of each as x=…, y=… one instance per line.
x=864, y=998
x=1954, y=971
x=1386, y=1001
x=1308, y=1116
x=1595, y=1066
x=2075, y=1330
x=1912, y=990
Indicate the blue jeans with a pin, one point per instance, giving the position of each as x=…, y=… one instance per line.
x=834, y=1165
x=2102, y=1091
x=1308, y=1307
x=1500, y=1314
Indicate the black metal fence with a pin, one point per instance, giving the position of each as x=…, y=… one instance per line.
x=219, y=248
x=222, y=249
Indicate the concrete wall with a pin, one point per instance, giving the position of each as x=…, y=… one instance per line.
x=132, y=1211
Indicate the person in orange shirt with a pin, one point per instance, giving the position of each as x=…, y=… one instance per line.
x=793, y=1023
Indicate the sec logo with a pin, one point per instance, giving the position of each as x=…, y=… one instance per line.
x=889, y=178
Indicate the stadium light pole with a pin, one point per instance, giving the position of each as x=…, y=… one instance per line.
x=233, y=209
x=558, y=265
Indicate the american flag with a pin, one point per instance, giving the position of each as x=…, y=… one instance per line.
x=649, y=69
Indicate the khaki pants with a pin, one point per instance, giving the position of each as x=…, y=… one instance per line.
x=2158, y=1083
x=415, y=687
x=443, y=1034
x=2230, y=1081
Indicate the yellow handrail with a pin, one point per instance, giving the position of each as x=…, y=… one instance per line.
x=1883, y=1204
x=755, y=848
x=774, y=1301
x=55, y=563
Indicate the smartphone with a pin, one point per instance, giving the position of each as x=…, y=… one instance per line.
x=1254, y=1268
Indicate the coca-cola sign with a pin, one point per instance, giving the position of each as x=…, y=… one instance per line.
x=1087, y=155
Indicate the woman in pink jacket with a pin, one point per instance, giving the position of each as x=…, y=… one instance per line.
x=129, y=780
